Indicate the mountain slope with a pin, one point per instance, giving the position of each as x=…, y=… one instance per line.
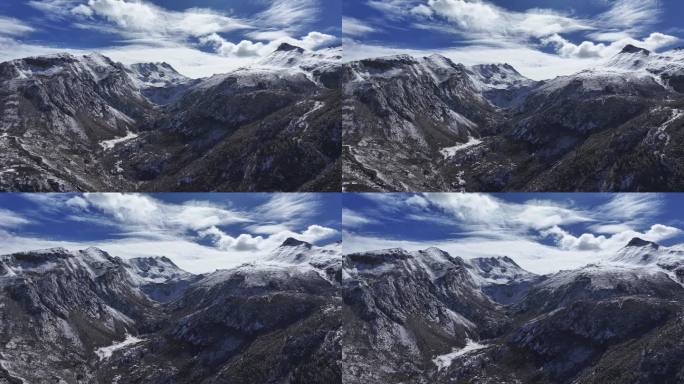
x=618, y=321
x=74, y=317
x=406, y=308
x=502, y=279
x=275, y=320
x=537, y=136
x=86, y=123
x=404, y=109
x=60, y=307
x=56, y=110
x=159, y=278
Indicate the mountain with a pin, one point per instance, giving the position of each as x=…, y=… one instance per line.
x=406, y=308
x=501, y=84
x=159, y=82
x=399, y=112
x=536, y=135
x=85, y=316
x=502, y=279
x=617, y=321
x=86, y=123
x=60, y=308
x=159, y=278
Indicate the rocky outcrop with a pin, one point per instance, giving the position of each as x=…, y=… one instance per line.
x=85, y=123
x=430, y=124
x=609, y=322
x=76, y=317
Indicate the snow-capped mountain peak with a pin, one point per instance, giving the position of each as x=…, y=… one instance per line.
x=95, y=66
x=155, y=75
x=498, y=270
x=291, y=56
x=285, y=47
x=297, y=252
x=497, y=76
x=639, y=242
x=155, y=270
x=643, y=252
x=292, y=242
x=629, y=48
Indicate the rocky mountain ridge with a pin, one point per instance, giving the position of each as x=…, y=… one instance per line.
x=88, y=317
x=429, y=124
x=86, y=123
x=586, y=325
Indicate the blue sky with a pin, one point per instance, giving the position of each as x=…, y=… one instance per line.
x=542, y=38
x=200, y=232
x=542, y=232
x=199, y=37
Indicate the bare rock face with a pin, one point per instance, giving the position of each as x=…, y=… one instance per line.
x=88, y=124
x=88, y=317
x=60, y=307
x=618, y=321
x=404, y=308
x=430, y=124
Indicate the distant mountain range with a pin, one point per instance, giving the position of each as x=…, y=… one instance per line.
x=429, y=317
x=89, y=317
x=429, y=124
x=86, y=123
x=308, y=314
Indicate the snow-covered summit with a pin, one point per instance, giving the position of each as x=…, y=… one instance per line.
x=291, y=56
x=95, y=66
x=498, y=270
x=498, y=76
x=633, y=66
x=155, y=270
x=155, y=75
x=297, y=252
x=639, y=252
x=93, y=261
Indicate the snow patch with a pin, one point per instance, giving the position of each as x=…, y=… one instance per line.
x=106, y=352
x=109, y=144
x=444, y=361
x=449, y=152
x=301, y=122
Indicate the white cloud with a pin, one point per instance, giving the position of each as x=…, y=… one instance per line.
x=13, y=27
x=422, y=10
x=492, y=34
x=589, y=49
x=289, y=206
x=539, y=234
x=631, y=15
x=589, y=241
x=82, y=10
x=55, y=9
x=355, y=27
x=485, y=212
x=289, y=13
x=153, y=33
x=630, y=206
x=481, y=18
x=198, y=235
x=9, y=219
x=136, y=18
x=352, y=219
x=246, y=242
x=133, y=212
x=245, y=48
x=223, y=47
